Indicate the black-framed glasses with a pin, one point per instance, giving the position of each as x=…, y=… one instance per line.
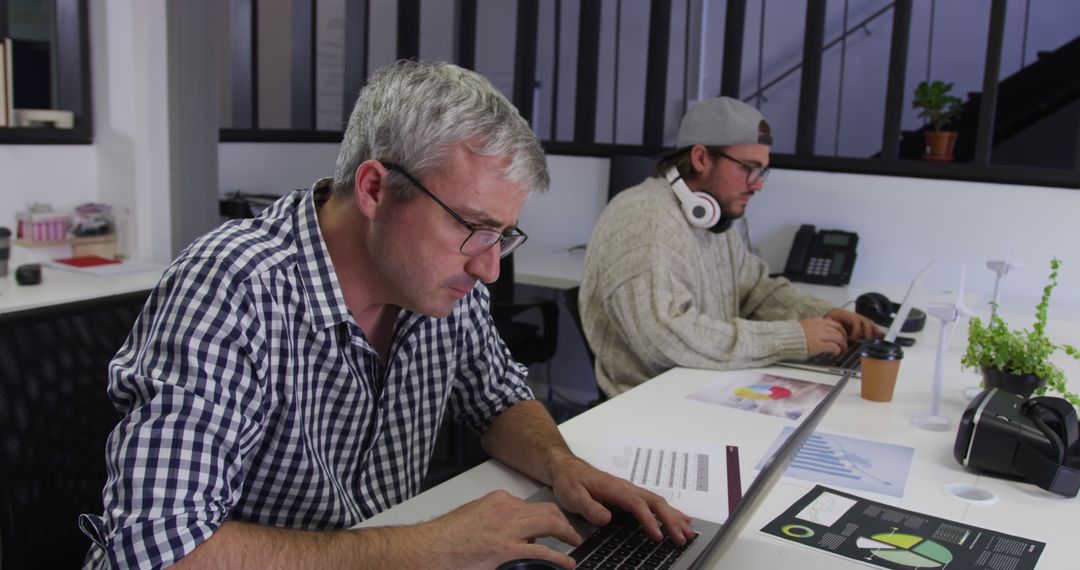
x=754, y=173
x=479, y=239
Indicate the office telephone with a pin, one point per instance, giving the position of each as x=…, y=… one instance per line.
x=826, y=256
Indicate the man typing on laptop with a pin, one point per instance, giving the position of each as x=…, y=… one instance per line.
x=288, y=375
x=667, y=284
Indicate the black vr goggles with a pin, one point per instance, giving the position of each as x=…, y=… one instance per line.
x=1034, y=439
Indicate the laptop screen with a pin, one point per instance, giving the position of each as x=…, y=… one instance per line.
x=768, y=477
x=905, y=307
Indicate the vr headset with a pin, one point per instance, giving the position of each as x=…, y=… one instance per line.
x=1030, y=439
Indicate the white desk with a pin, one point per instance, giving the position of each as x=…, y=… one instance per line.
x=659, y=409
x=547, y=265
x=59, y=286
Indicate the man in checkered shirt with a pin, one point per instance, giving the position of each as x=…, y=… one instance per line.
x=287, y=377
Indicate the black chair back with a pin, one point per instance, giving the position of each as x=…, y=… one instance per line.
x=54, y=419
x=626, y=170
x=571, y=297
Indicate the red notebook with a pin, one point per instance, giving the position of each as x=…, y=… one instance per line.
x=87, y=261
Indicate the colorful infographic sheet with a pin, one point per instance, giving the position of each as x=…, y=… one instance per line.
x=850, y=462
x=763, y=393
x=888, y=537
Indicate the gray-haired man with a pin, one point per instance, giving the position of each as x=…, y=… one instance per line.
x=667, y=285
x=290, y=372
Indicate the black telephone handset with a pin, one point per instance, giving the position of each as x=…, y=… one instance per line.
x=826, y=256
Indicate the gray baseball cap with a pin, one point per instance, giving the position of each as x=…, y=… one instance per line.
x=721, y=121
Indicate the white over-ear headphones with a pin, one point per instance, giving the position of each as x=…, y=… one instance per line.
x=700, y=209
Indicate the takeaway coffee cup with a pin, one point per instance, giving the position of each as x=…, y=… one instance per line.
x=5, y=250
x=880, y=364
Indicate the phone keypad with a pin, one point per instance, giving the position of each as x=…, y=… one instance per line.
x=819, y=266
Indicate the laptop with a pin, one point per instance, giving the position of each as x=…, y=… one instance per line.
x=623, y=543
x=849, y=360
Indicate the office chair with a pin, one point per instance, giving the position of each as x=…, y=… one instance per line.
x=571, y=297
x=627, y=170
x=528, y=342
x=54, y=419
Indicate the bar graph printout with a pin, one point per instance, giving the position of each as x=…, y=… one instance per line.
x=693, y=477
x=885, y=536
x=850, y=462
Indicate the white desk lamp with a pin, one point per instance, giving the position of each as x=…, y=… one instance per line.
x=949, y=313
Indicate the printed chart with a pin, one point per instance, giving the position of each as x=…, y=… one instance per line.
x=762, y=394
x=889, y=537
x=700, y=479
x=906, y=549
x=849, y=462
x=669, y=469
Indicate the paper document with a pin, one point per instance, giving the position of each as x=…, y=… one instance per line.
x=850, y=462
x=762, y=393
x=885, y=536
x=693, y=477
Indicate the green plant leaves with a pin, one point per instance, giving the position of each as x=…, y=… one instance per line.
x=937, y=106
x=995, y=346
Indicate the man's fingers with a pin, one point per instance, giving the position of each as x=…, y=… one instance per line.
x=676, y=524
x=580, y=501
x=545, y=519
x=641, y=511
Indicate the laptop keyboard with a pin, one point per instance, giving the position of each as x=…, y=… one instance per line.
x=850, y=359
x=624, y=544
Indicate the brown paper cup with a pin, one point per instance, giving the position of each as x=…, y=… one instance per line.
x=879, y=378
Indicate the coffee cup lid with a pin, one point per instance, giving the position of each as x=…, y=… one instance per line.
x=4, y=232
x=882, y=349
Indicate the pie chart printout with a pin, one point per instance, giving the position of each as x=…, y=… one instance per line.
x=906, y=550
x=763, y=392
x=828, y=522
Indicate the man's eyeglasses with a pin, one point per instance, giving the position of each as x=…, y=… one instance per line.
x=479, y=239
x=754, y=173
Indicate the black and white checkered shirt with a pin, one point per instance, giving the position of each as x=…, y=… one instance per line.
x=250, y=393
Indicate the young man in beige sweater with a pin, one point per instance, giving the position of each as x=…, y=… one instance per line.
x=666, y=284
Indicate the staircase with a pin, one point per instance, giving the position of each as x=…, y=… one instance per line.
x=1033, y=93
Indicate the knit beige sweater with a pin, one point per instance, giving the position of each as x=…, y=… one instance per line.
x=658, y=293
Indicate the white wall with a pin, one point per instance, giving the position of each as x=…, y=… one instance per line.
x=273, y=168
x=127, y=166
x=58, y=174
x=901, y=222
x=904, y=222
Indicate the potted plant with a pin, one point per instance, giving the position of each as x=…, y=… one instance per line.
x=937, y=107
x=1018, y=361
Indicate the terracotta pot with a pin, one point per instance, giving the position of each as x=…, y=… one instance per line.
x=1020, y=384
x=939, y=145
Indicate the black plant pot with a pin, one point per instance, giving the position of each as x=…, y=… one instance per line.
x=1020, y=384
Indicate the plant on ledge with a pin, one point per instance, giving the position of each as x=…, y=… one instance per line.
x=997, y=350
x=937, y=107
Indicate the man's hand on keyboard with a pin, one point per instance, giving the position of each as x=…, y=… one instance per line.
x=497, y=528
x=823, y=335
x=583, y=489
x=856, y=325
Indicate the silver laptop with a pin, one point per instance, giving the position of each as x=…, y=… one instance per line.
x=849, y=360
x=623, y=544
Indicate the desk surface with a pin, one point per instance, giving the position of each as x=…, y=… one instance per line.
x=59, y=286
x=547, y=265
x=659, y=408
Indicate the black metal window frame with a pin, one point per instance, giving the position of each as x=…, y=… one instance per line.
x=73, y=61
x=980, y=169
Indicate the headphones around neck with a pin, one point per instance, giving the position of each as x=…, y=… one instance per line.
x=700, y=209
